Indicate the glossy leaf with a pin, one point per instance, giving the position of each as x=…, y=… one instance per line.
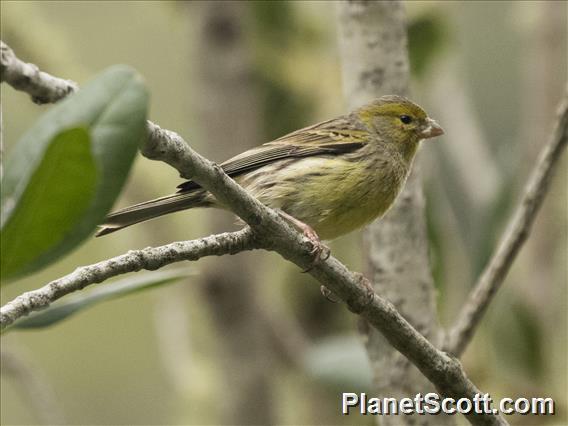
x=111, y=111
x=44, y=214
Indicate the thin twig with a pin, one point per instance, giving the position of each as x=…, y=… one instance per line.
x=41, y=86
x=515, y=235
x=269, y=231
x=150, y=258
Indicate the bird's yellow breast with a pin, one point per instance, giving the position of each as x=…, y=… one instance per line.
x=332, y=195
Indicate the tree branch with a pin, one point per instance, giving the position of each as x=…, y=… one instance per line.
x=514, y=237
x=42, y=87
x=269, y=231
x=151, y=258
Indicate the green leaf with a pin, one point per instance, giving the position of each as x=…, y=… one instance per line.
x=67, y=173
x=111, y=110
x=83, y=300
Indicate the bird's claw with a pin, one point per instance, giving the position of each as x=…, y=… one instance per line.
x=365, y=281
x=329, y=295
x=319, y=250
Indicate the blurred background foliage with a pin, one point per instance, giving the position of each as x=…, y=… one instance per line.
x=490, y=72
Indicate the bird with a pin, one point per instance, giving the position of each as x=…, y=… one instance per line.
x=327, y=179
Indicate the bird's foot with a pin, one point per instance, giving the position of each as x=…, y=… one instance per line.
x=319, y=250
x=365, y=281
x=370, y=291
x=329, y=295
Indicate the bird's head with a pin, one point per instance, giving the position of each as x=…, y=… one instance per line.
x=399, y=121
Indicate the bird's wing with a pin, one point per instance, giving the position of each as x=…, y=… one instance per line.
x=329, y=138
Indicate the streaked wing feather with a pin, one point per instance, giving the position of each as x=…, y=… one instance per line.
x=311, y=141
x=275, y=153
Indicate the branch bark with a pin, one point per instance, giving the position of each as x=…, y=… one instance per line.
x=269, y=231
x=42, y=87
x=151, y=258
x=514, y=237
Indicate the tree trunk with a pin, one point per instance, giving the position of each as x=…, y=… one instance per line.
x=373, y=48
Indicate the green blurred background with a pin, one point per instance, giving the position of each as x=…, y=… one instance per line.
x=490, y=72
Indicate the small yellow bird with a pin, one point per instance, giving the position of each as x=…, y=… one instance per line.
x=329, y=178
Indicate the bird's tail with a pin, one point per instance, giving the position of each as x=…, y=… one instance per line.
x=152, y=209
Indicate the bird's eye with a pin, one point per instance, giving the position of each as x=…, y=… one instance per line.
x=406, y=119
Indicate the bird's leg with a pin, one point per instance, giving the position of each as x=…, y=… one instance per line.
x=319, y=250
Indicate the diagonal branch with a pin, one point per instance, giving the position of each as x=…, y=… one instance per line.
x=516, y=234
x=269, y=231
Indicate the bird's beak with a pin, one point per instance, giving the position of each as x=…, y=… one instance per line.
x=431, y=129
